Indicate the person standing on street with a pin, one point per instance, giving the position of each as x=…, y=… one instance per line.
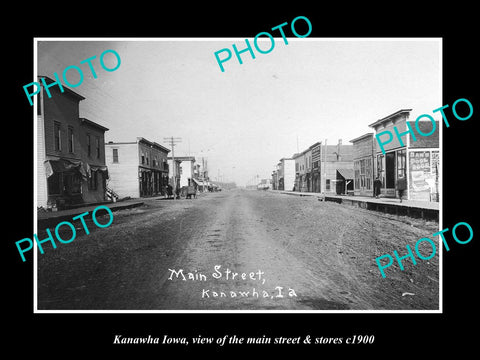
x=401, y=186
x=377, y=184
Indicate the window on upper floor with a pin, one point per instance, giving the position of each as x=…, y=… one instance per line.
x=57, y=136
x=115, y=155
x=97, y=147
x=89, y=145
x=71, y=140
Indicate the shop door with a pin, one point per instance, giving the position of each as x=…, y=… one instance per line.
x=390, y=170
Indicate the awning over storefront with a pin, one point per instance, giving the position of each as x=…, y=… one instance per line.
x=347, y=174
x=103, y=169
x=198, y=182
x=64, y=165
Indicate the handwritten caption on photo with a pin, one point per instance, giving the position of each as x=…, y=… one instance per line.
x=229, y=275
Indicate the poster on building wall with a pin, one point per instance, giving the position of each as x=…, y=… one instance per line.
x=435, y=163
x=419, y=181
x=154, y=260
x=422, y=180
x=420, y=161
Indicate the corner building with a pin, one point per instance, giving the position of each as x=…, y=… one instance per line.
x=71, y=167
x=417, y=157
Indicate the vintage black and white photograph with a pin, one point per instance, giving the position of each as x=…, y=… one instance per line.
x=272, y=174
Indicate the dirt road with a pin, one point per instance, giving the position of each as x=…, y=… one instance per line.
x=288, y=253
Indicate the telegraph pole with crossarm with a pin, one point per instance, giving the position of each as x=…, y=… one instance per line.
x=173, y=141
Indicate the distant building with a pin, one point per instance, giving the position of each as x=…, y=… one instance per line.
x=300, y=172
x=71, y=167
x=315, y=174
x=337, y=168
x=363, y=164
x=185, y=170
x=286, y=174
x=138, y=168
x=416, y=161
x=274, y=180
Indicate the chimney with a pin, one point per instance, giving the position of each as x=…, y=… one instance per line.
x=339, y=145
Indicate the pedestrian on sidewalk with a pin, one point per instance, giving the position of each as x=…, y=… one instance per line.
x=377, y=185
x=401, y=186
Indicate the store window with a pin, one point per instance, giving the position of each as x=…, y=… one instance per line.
x=356, y=167
x=368, y=173
x=93, y=181
x=362, y=173
x=53, y=184
x=72, y=183
x=401, y=163
x=380, y=166
x=327, y=184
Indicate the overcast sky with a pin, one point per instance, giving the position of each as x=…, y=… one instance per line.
x=245, y=119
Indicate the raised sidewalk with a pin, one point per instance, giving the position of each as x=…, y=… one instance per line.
x=422, y=209
x=46, y=219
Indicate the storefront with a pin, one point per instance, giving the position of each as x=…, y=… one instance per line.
x=344, y=182
x=363, y=176
x=423, y=180
x=71, y=182
x=391, y=167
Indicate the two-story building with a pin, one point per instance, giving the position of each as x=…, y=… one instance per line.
x=71, y=167
x=416, y=158
x=316, y=182
x=299, y=159
x=286, y=174
x=137, y=168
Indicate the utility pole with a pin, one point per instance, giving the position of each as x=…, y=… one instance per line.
x=173, y=141
x=324, y=169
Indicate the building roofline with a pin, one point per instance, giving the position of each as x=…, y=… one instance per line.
x=388, y=117
x=316, y=144
x=152, y=144
x=139, y=139
x=65, y=88
x=94, y=124
x=182, y=158
x=120, y=142
x=362, y=137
